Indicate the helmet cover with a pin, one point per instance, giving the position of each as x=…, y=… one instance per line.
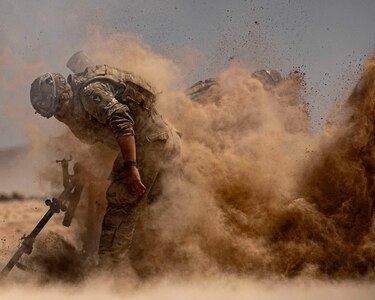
x=44, y=93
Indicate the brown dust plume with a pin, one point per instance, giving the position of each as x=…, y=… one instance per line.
x=256, y=193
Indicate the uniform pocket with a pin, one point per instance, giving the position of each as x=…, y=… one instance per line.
x=117, y=194
x=157, y=136
x=117, y=217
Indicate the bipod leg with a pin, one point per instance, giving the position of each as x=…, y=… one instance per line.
x=27, y=244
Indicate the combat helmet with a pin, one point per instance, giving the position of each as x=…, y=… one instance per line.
x=44, y=93
x=269, y=78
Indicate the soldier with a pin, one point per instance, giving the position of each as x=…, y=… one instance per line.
x=117, y=108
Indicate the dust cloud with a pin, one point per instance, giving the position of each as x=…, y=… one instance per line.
x=257, y=200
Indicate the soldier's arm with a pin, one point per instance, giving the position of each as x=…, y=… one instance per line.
x=99, y=101
x=133, y=179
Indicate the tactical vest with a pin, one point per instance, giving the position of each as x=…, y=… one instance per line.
x=131, y=86
x=131, y=90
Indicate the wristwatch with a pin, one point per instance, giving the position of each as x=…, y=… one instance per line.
x=130, y=163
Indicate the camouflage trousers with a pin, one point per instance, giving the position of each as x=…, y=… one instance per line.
x=120, y=219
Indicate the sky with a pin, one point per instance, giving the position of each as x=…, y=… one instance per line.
x=328, y=40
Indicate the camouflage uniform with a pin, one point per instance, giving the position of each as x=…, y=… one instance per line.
x=109, y=103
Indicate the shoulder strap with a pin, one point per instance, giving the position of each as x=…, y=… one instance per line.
x=116, y=76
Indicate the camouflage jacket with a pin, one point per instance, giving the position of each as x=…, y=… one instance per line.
x=109, y=103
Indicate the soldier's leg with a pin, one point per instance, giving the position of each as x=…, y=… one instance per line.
x=122, y=211
x=118, y=226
